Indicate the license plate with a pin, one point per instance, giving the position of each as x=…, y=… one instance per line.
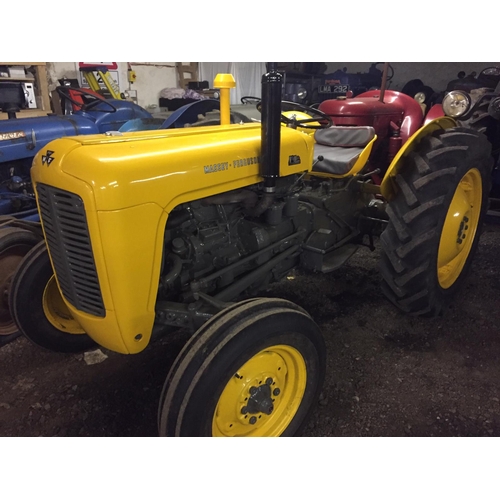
x=333, y=89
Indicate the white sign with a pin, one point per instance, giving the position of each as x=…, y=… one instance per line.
x=114, y=74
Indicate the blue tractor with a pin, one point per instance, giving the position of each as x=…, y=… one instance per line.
x=21, y=139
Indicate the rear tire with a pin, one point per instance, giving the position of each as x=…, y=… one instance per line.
x=254, y=369
x=15, y=243
x=435, y=220
x=38, y=309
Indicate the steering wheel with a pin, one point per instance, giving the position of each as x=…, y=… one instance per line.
x=250, y=100
x=66, y=94
x=490, y=71
x=294, y=122
x=390, y=72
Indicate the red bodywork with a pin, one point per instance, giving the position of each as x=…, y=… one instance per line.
x=435, y=112
x=394, y=120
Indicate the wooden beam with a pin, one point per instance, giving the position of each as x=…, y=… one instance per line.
x=23, y=64
x=43, y=87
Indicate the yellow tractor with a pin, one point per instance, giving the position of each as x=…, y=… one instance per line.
x=145, y=231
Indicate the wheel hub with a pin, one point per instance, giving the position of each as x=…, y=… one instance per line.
x=462, y=230
x=260, y=400
x=56, y=311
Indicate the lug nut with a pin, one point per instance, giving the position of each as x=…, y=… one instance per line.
x=244, y=410
x=276, y=392
x=253, y=420
x=253, y=390
x=269, y=381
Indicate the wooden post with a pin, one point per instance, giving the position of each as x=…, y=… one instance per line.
x=41, y=79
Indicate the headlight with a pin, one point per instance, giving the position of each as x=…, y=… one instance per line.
x=419, y=97
x=456, y=103
x=302, y=93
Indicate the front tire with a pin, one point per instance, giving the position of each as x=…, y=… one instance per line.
x=38, y=308
x=254, y=369
x=435, y=220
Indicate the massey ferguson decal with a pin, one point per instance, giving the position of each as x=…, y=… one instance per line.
x=47, y=157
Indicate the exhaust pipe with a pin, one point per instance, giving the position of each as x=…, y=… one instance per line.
x=384, y=82
x=270, y=138
x=271, y=126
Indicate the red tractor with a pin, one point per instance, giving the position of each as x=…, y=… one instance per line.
x=394, y=116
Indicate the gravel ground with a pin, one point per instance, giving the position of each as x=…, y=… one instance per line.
x=387, y=374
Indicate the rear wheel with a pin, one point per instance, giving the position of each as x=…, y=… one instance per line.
x=15, y=243
x=435, y=220
x=38, y=308
x=254, y=369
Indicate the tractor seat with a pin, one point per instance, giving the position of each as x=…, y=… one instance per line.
x=340, y=147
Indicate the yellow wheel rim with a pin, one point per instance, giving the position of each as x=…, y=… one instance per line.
x=56, y=311
x=459, y=228
x=263, y=396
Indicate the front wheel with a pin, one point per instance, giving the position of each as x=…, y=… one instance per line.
x=435, y=220
x=38, y=309
x=254, y=369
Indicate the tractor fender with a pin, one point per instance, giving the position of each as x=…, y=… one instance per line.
x=388, y=187
x=435, y=112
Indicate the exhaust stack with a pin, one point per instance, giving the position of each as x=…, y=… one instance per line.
x=271, y=126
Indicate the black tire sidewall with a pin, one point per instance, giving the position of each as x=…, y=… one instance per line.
x=10, y=237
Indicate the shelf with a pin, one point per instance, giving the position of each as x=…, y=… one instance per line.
x=23, y=63
x=26, y=113
x=15, y=79
x=40, y=84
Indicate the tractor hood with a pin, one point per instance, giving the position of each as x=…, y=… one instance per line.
x=360, y=106
x=23, y=137
x=164, y=167
x=367, y=110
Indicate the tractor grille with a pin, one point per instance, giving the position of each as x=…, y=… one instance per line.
x=68, y=239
